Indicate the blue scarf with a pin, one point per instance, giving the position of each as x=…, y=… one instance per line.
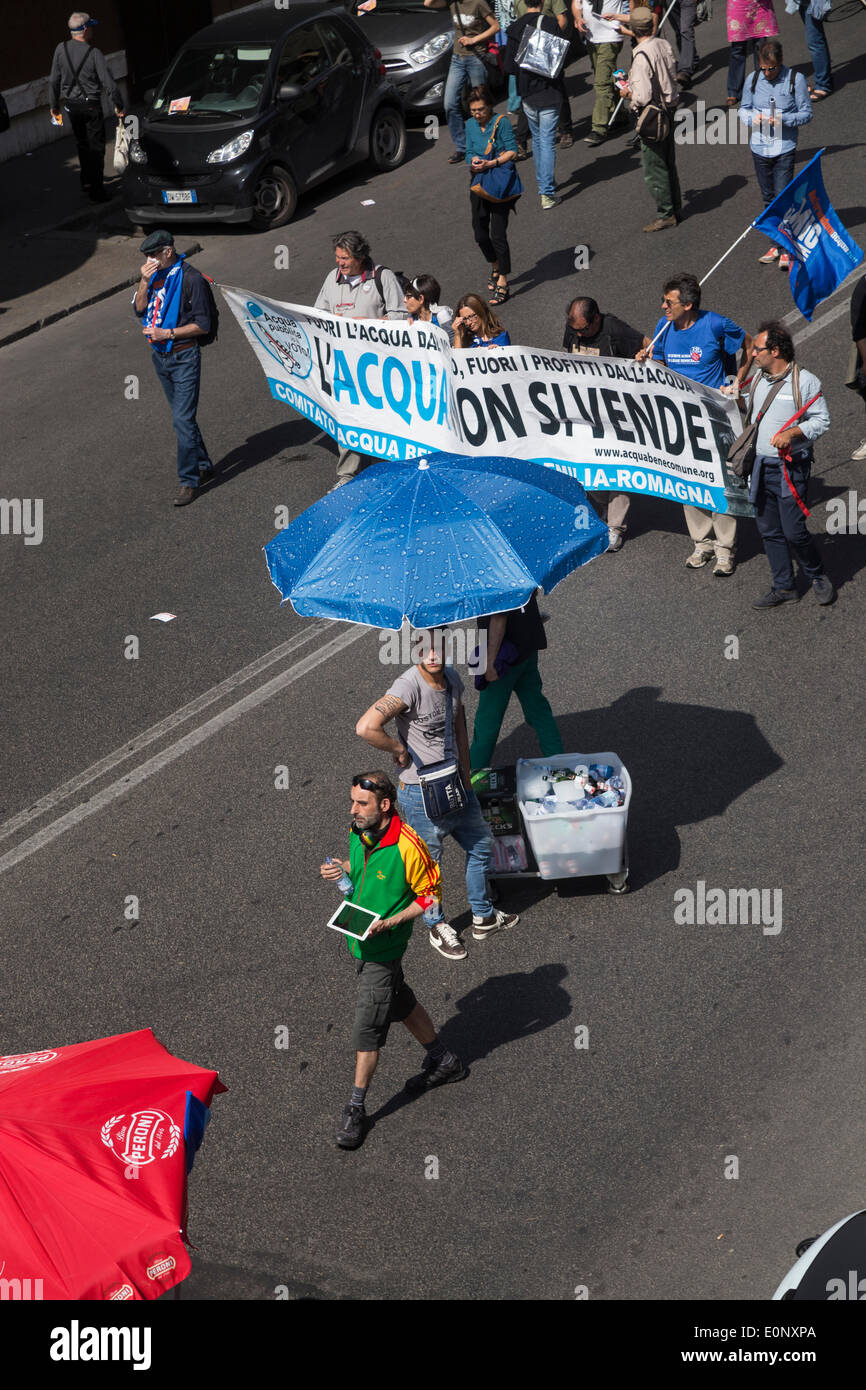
x=163, y=309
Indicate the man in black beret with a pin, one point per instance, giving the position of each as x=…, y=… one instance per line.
x=173, y=301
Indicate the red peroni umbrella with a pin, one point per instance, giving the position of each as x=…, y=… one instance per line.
x=96, y=1141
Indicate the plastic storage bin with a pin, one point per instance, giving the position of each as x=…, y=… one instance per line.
x=575, y=844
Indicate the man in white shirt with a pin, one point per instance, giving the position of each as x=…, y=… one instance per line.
x=600, y=17
x=783, y=463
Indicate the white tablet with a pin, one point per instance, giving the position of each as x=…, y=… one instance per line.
x=353, y=920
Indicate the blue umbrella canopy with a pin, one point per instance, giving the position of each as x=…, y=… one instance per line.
x=435, y=540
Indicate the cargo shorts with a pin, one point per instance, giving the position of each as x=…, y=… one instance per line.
x=383, y=998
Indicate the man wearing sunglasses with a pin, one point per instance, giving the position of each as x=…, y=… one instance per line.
x=783, y=464
x=392, y=874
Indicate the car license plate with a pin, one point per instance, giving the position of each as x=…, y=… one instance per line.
x=183, y=195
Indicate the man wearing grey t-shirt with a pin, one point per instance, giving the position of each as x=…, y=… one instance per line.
x=416, y=702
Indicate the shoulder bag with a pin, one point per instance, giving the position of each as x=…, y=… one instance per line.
x=500, y=184
x=442, y=788
x=540, y=52
x=653, y=123
x=741, y=455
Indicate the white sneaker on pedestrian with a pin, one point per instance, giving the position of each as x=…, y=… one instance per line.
x=784, y=261
x=497, y=921
x=860, y=452
x=615, y=540
x=769, y=256
x=444, y=939
x=699, y=558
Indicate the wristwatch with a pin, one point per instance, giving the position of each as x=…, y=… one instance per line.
x=171, y=334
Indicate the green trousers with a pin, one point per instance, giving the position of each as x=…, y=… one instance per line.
x=603, y=57
x=660, y=174
x=524, y=680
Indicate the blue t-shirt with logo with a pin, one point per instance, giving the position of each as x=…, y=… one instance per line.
x=699, y=351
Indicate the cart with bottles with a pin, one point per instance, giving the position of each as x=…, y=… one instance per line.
x=559, y=817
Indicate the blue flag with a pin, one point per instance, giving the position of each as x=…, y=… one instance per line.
x=801, y=220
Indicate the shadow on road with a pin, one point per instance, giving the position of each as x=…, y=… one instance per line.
x=500, y=1011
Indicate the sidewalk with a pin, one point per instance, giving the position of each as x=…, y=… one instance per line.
x=60, y=251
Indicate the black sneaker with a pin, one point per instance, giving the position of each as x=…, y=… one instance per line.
x=823, y=589
x=775, y=597
x=432, y=1075
x=593, y=138
x=206, y=474
x=458, y=157
x=353, y=1127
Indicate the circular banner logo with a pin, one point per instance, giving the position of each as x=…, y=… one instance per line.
x=282, y=337
x=142, y=1137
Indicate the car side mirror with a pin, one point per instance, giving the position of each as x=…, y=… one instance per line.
x=289, y=91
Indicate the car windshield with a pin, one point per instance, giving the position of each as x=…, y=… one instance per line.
x=225, y=79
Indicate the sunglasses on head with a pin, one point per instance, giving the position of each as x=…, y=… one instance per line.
x=367, y=784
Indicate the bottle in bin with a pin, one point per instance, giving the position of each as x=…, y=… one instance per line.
x=344, y=883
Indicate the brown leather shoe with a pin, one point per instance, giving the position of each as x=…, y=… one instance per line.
x=660, y=223
x=185, y=496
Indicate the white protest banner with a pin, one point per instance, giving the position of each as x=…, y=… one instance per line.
x=398, y=390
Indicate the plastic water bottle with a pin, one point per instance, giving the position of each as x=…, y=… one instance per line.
x=344, y=883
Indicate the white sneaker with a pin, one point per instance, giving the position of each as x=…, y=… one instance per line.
x=444, y=939
x=498, y=921
x=548, y=202
x=860, y=452
x=769, y=256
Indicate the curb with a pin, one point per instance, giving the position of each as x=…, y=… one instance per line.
x=34, y=327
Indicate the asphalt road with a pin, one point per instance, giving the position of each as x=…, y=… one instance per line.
x=558, y=1167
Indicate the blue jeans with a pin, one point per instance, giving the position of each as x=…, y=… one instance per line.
x=542, y=124
x=781, y=524
x=773, y=174
x=818, y=50
x=472, y=834
x=463, y=72
x=180, y=375
x=737, y=65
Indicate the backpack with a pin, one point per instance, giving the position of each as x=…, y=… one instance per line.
x=203, y=340
x=402, y=280
x=792, y=77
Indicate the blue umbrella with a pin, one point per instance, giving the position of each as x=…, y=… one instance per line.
x=441, y=539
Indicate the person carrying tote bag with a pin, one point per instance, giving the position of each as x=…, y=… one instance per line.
x=490, y=150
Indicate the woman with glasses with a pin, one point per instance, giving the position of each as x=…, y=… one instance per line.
x=476, y=326
x=490, y=143
x=422, y=301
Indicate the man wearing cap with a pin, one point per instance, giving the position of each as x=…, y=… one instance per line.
x=173, y=302
x=79, y=74
x=653, y=78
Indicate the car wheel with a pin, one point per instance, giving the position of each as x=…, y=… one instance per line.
x=275, y=199
x=387, y=138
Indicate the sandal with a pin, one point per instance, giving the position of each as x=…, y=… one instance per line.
x=732, y=101
x=493, y=282
x=817, y=95
x=500, y=296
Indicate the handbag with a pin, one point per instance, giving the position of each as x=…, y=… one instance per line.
x=541, y=52
x=741, y=455
x=654, y=123
x=442, y=787
x=500, y=184
x=121, y=147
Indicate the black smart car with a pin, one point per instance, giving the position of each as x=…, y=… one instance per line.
x=257, y=108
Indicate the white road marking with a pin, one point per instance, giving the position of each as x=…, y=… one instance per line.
x=165, y=726
x=184, y=745
x=818, y=324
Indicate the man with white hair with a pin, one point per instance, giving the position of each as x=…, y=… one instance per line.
x=79, y=73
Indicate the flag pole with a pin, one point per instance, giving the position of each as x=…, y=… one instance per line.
x=733, y=245
x=658, y=31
